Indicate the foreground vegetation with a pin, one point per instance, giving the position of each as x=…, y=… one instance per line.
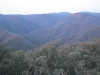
x=52, y=59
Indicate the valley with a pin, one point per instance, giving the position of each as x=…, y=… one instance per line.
x=27, y=32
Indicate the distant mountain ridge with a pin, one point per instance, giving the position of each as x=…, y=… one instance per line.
x=32, y=31
x=16, y=24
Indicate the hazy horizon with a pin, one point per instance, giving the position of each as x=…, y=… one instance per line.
x=48, y=13
x=48, y=6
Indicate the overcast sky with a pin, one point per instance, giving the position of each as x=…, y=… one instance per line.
x=48, y=6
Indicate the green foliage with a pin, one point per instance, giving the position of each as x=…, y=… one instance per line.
x=12, y=63
x=52, y=59
x=3, y=52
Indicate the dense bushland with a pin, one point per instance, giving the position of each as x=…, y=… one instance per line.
x=52, y=59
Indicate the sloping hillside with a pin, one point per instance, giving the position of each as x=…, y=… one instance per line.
x=88, y=35
x=14, y=41
x=31, y=31
x=16, y=25
x=79, y=18
x=72, y=29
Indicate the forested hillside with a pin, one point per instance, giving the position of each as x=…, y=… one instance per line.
x=53, y=59
x=27, y=32
x=15, y=41
x=50, y=44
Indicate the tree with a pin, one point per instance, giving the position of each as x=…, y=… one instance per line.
x=4, y=56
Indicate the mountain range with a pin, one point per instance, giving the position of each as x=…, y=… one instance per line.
x=26, y=32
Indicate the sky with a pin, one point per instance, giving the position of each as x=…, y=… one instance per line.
x=48, y=6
